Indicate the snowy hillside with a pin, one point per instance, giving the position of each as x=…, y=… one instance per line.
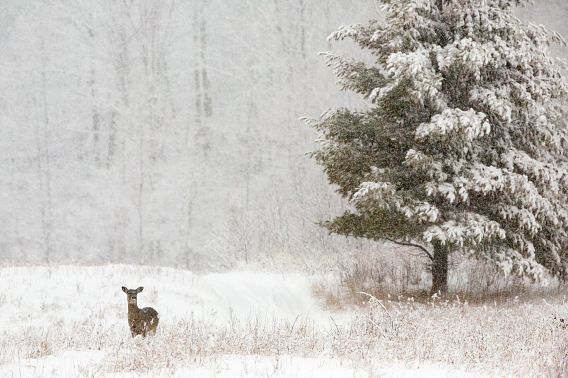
x=71, y=322
x=71, y=294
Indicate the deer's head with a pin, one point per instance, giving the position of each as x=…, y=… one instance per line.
x=131, y=295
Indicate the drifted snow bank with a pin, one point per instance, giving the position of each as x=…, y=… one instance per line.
x=36, y=294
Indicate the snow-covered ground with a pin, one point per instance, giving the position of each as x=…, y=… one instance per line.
x=67, y=294
x=89, y=364
x=71, y=322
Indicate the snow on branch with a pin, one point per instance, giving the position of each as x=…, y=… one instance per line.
x=417, y=66
x=470, y=124
x=496, y=100
x=467, y=229
x=384, y=195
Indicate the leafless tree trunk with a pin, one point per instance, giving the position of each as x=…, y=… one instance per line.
x=95, y=114
x=44, y=159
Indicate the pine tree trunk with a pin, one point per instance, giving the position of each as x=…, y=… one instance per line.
x=440, y=269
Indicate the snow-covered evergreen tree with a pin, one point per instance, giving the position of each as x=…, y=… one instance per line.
x=463, y=146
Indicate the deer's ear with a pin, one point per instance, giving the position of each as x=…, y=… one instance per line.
x=124, y=289
x=140, y=289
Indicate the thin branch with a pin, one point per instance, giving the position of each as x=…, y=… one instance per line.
x=413, y=245
x=381, y=303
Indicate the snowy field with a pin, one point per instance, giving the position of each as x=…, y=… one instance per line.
x=71, y=322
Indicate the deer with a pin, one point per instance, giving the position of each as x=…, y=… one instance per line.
x=142, y=321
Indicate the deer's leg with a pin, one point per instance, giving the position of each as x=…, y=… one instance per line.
x=154, y=326
x=145, y=329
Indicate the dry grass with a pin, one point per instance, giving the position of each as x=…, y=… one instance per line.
x=501, y=324
x=43, y=349
x=523, y=339
x=406, y=277
x=559, y=366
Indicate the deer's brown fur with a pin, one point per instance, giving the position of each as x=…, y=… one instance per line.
x=142, y=321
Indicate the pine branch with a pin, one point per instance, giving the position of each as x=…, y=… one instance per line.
x=413, y=245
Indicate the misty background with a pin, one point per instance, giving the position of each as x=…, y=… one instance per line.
x=168, y=131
